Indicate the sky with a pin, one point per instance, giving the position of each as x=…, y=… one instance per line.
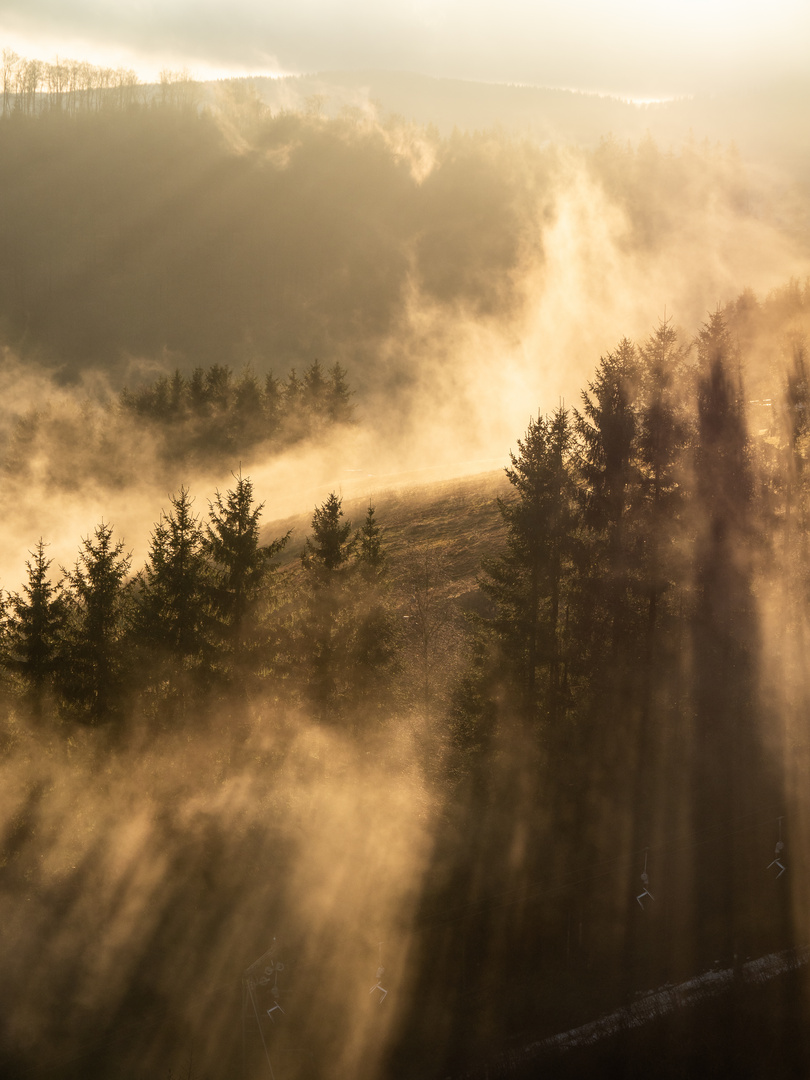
x=632, y=48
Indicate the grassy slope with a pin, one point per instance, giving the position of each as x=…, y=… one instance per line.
x=458, y=520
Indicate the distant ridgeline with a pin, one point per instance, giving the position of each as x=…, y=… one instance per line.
x=211, y=413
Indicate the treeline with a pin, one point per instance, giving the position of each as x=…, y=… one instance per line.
x=211, y=414
x=205, y=622
x=668, y=481
x=631, y=691
x=642, y=528
x=173, y=423
x=32, y=86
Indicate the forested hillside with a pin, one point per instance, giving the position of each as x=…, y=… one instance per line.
x=317, y=768
x=237, y=234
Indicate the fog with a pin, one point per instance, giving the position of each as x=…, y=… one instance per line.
x=139, y=885
x=346, y=810
x=480, y=280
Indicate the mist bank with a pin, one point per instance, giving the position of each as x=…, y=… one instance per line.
x=763, y=119
x=291, y=809
x=458, y=280
x=762, y=116
x=159, y=233
x=73, y=455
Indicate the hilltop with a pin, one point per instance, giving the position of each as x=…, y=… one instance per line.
x=455, y=520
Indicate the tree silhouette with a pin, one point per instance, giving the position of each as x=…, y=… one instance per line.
x=607, y=430
x=93, y=674
x=528, y=581
x=339, y=405
x=326, y=624
x=330, y=546
x=35, y=627
x=172, y=618
x=663, y=435
x=731, y=772
x=370, y=553
x=240, y=563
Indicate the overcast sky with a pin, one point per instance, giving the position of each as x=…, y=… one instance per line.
x=637, y=48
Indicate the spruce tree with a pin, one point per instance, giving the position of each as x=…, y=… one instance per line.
x=339, y=404
x=314, y=390
x=607, y=430
x=370, y=554
x=198, y=393
x=731, y=773
x=664, y=432
x=529, y=581
x=272, y=401
x=247, y=420
x=293, y=395
x=330, y=546
x=94, y=671
x=35, y=623
x=240, y=564
x=373, y=634
x=326, y=627
x=172, y=619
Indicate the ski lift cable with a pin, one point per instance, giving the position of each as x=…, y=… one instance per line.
x=609, y=866
x=261, y=1031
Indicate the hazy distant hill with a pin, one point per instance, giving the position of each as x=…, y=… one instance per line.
x=277, y=236
x=764, y=121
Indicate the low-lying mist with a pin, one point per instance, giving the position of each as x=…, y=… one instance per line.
x=461, y=282
x=347, y=832
x=141, y=881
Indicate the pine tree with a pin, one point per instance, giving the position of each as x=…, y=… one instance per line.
x=528, y=582
x=93, y=675
x=607, y=431
x=240, y=563
x=247, y=418
x=198, y=392
x=326, y=625
x=663, y=436
x=272, y=402
x=314, y=390
x=219, y=387
x=172, y=607
x=370, y=554
x=34, y=628
x=659, y=523
x=330, y=547
x=731, y=773
x=177, y=396
x=339, y=405
x=293, y=395
x=373, y=636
